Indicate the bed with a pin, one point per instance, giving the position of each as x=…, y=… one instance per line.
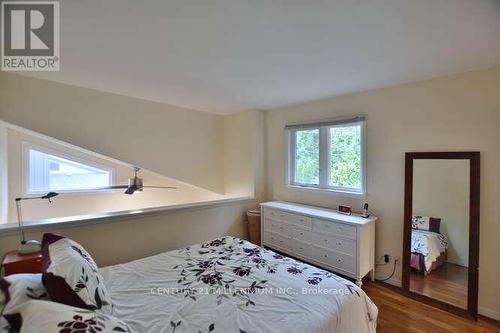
x=428, y=250
x=231, y=285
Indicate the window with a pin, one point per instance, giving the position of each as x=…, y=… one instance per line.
x=50, y=172
x=328, y=155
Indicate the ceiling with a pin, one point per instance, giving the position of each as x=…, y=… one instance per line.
x=225, y=56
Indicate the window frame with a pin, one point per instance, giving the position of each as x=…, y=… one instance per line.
x=26, y=175
x=324, y=156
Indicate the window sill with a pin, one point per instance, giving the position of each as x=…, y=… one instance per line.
x=327, y=191
x=11, y=228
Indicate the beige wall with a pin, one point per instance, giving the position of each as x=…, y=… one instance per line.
x=243, y=156
x=184, y=145
x=461, y=112
x=441, y=189
x=3, y=174
x=82, y=203
x=128, y=239
x=454, y=113
x=175, y=142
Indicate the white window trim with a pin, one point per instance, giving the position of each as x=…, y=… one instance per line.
x=27, y=146
x=323, y=162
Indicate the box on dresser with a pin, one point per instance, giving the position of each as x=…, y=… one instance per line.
x=344, y=244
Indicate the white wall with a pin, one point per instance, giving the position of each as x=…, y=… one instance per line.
x=441, y=189
x=454, y=113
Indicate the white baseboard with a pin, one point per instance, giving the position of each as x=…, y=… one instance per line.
x=489, y=313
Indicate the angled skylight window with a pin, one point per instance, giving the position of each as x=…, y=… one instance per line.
x=47, y=172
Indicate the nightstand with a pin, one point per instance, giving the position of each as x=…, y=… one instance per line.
x=15, y=263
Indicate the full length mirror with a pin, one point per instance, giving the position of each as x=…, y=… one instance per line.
x=440, y=261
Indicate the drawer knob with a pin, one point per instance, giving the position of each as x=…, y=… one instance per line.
x=301, y=248
x=339, y=260
x=326, y=256
x=339, y=243
x=326, y=240
x=302, y=234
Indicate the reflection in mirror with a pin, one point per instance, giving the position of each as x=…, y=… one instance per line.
x=440, y=230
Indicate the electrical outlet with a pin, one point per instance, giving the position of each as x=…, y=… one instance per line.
x=387, y=258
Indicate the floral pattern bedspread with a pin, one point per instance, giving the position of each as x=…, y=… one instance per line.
x=231, y=285
x=429, y=244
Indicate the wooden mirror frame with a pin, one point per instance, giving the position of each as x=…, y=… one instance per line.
x=474, y=210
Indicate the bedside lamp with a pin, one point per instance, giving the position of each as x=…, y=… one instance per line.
x=30, y=246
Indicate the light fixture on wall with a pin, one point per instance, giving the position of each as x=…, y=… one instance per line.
x=30, y=246
x=134, y=184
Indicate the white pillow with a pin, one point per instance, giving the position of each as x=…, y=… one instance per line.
x=18, y=289
x=71, y=276
x=49, y=317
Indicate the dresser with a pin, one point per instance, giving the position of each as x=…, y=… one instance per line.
x=340, y=243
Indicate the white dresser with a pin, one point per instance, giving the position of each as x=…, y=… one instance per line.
x=344, y=244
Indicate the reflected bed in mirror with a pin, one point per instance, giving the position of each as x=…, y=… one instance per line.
x=441, y=229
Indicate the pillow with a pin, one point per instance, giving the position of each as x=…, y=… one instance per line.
x=426, y=223
x=71, y=276
x=20, y=288
x=49, y=317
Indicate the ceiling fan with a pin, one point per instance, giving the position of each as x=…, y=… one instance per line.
x=134, y=184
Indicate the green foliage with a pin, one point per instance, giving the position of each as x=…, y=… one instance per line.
x=307, y=156
x=345, y=158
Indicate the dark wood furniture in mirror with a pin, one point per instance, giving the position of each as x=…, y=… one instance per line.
x=411, y=281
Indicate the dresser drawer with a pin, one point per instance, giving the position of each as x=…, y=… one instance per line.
x=302, y=249
x=295, y=219
x=338, y=260
x=299, y=221
x=277, y=227
x=335, y=228
x=300, y=234
x=278, y=241
x=274, y=214
x=338, y=244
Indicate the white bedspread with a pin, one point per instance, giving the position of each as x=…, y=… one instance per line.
x=429, y=244
x=230, y=285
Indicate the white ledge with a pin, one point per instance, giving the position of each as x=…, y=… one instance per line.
x=7, y=228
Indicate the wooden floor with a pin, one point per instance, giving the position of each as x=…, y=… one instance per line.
x=398, y=313
x=447, y=283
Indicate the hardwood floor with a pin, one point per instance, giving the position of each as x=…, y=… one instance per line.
x=398, y=313
x=447, y=283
